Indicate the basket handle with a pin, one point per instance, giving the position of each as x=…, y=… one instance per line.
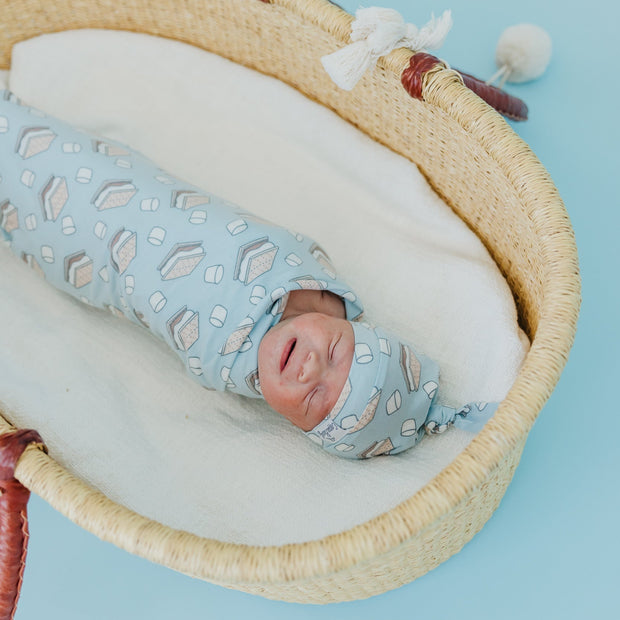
x=508, y=105
x=13, y=519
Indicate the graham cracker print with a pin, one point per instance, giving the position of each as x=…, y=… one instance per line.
x=9, y=220
x=253, y=383
x=111, y=150
x=377, y=448
x=225, y=376
x=254, y=259
x=187, y=199
x=54, y=196
x=78, y=269
x=430, y=387
x=183, y=328
x=122, y=249
x=34, y=140
x=309, y=283
x=182, y=259
x=368, y=414
x=411, y=367
x=114, y=194
x=235, y=340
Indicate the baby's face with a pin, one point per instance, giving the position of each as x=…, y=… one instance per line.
x=303, y=363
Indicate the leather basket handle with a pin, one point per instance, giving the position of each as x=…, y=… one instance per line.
x=13, y=519
x=508, y=105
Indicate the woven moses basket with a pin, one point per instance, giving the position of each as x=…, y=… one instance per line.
x=478, y=166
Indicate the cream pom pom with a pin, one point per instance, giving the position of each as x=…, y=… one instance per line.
x=523, y=53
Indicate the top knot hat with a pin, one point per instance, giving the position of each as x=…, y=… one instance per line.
x=387, y=403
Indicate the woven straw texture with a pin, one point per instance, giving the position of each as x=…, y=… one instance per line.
x=478, y=166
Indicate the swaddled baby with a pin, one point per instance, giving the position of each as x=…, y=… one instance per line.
x=248, y=306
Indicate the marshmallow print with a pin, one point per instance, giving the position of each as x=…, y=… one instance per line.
x=47, y=253
x=68, y=225
x=430, y=388
x=100, y=230
x=218, y=316
x=258, y=294
x=71, y=147
x=157, y=235
x=198, y=217
x=28, y=178
x=149, y=204
x=408, y=428
x=84, y=175
x=236, y=227
x=293, y=260
x=194, y=365
x=214, y=274
x=157, y=301
x=363, y=354
x=394, y=402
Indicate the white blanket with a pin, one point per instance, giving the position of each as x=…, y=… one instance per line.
x=263, y=145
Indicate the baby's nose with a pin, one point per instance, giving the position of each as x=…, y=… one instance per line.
x=309, y=368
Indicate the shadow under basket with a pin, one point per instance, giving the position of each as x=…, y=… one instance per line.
x=478, y=166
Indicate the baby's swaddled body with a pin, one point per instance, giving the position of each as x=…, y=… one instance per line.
x=102, y=224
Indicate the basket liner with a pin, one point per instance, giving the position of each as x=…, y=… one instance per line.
x=121, y=413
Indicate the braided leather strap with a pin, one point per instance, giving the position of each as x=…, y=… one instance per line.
x=509, y=106
x=13, y=520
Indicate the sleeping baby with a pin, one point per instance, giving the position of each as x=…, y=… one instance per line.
x=248, y=306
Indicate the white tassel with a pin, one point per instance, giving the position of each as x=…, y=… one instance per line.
x=376, y=32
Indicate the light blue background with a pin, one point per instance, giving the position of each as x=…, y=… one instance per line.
x=551, y=550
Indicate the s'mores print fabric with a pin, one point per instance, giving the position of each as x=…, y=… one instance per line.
x=102, y=223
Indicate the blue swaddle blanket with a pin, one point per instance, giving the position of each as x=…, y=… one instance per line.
x=104, y=224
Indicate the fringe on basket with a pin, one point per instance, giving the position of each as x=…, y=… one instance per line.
x=376, y=32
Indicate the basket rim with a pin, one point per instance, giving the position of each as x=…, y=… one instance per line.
x=233, y=563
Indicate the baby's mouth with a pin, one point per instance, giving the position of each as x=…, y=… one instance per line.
x=287, y=352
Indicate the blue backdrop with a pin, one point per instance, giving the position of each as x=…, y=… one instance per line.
x=551, y=549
